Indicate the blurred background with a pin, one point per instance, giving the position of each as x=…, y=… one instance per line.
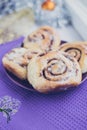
x=19, y=18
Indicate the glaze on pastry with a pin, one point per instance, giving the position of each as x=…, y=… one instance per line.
x=15, y=62
x=46, y=38
x=77, y=50
x=53, y=71
x=32, y=51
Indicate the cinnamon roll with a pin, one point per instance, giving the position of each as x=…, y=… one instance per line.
x=45, y=38
x=77, y=50
x=15, y=62
x=33, y=51
x=53, y=71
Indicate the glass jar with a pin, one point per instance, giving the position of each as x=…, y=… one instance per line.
x=49, y=12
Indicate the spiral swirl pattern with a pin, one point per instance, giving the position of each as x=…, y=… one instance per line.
x=75, y=52
x=45, y=37
x=79, y=51
x=54, y=70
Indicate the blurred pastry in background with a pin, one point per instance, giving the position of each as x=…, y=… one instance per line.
x=45, y=38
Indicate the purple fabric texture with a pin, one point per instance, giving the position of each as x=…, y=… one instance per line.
x=61, y=111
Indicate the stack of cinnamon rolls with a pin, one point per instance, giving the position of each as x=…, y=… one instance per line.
x=45, y=63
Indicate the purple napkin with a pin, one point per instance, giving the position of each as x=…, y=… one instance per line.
x=61, y=111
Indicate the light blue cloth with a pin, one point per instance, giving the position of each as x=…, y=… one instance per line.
x=7, y=7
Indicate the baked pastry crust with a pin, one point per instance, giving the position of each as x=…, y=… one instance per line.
x=77, y=50
x=53, y=71
x=46, y=38
x=15, y=62
x=33, y=51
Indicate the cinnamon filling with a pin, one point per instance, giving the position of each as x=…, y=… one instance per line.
x=36, y=37
x=41, y=54
x=43, y=34
x=75, y=52
x=45, y=29
x=34, y=52
x=52, y=60
x=54, y=70
x=30, y=39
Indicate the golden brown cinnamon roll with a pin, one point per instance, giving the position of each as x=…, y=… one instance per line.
x=77, y=50
x=17, y=59
x=53, y=71
x=45, y=38
x=15, y=62
x=32, y=51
